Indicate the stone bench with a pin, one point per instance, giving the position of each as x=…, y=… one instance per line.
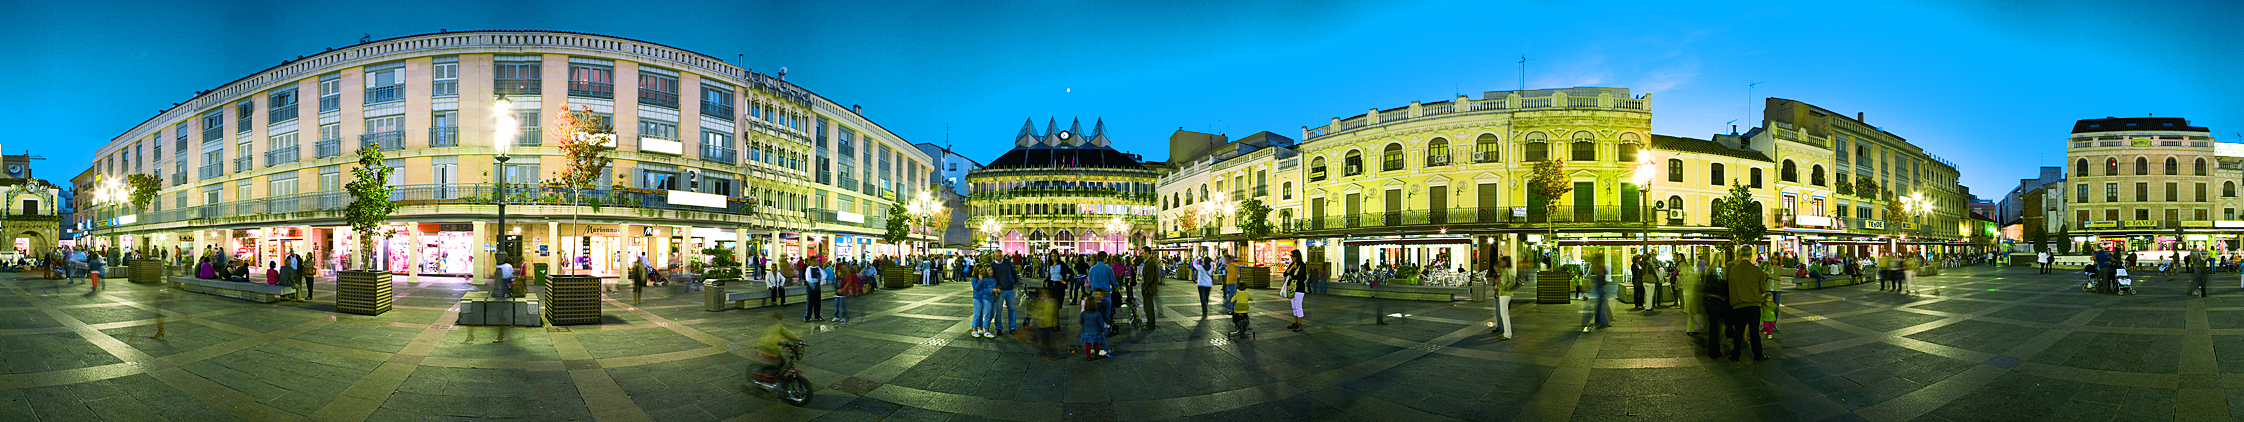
x=250, y=291
x=739, y=295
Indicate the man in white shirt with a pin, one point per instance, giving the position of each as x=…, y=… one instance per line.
x=814, y=278
x=2043, y=259
x=505, y=281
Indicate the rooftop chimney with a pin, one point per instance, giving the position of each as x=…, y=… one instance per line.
x=856, y=109
x=1858, y=116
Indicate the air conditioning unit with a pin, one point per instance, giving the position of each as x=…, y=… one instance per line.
x=1484, y=157
x=1438, y=160
x=1353, y=169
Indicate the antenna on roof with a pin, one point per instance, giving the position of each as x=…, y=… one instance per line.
x=1523, y=73
x=1749, y=101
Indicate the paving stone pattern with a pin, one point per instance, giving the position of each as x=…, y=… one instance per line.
x=1973, y=345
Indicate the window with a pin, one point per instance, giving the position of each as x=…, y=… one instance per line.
x=1675, y=170
x=1317, y=169
x=592, y=81
x=2173, y=167
x=1487, y=150
x=515, y=75
x=446, y=74
x=2111, y=215
x=717, y=147
x=2080, y=167
x=1754, y=175
x=1437, y=152
x=280, y=105
x=1815, y=175
x=1353, y=164
x=2200, y=214
x=658, y=87
x=1285, y=190
x=2142, y=166
x=716, y=101
x=2200, y=167
x=2142, y=192
x=2228, y=213
x=2080, y=193
x=845, y=141
x=214, y=126
x=330, y=92
x=2200, y=197
x=2111, y=192
x=2142, y=213
x=2228, y=189
x=1585, y=151
x=1392, y=157
x=1537, y=148
x=2172, y=191
x=384, y=85
x=2111, y=166
x=1788, y=172
x=1628, y=152
x=1714, y=174
x=658, y=129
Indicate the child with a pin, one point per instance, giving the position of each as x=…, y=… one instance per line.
x=1094, y=325
x=1239, y=312
x=1044, y=317
x=1769, y=321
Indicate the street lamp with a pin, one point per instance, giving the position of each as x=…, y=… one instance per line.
x=1116, y=225
x=990, y=225
x=1644, y=169
x=502, y=138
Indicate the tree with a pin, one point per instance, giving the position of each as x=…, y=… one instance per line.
x=370, y=201
x=586, y=148
x=1550, y=182
x=899, y=224
x=1254, y=218
x=2037, y=234
x=2064, y=240
x=1189, y=219
x=1741, y=215
x=143, y=189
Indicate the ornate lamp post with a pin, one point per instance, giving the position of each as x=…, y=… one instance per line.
x=924, y=208
x=502, y=138
x=1116, y=225
x=990, y=225
x=1215, y=209
x=1644, y=169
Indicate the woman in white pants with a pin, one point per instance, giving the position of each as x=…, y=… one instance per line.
x=1506, y=281
x=1296, y=288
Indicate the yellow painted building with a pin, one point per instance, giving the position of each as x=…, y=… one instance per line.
x=1064, y=191
x=2134, y=182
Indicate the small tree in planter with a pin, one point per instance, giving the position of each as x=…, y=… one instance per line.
x=586, y=147
x=899, y=225
x=367, y=291
x=143, y=189
x=1254, y=219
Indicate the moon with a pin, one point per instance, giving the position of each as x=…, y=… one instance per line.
x=1071, y=90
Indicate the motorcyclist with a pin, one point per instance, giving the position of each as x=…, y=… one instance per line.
x=772, y=347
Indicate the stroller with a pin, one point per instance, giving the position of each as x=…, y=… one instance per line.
x=2090, y=271
x=2126, y=284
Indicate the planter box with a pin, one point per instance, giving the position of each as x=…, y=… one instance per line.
x=898, y=279
x=572, y=299
x=362, y=292
x=146, y=271
x=1554, y=287
x=1251, y=277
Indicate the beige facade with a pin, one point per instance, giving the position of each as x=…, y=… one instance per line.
x=701, y=144
x=2131, y=178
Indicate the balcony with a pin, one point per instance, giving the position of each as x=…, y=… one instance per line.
x=329, y=103
x=1238, y=194
x=327, y=148
x=244, y=163
x=658, y=98
x=717, y=110
x=591, y=89
x=1437, y=160
x=447, y=194
x=719, y=154
x=178, y=178
x=445, y=88
x=1486, y=157
x=514, y=86
x=211, y=171
x=444, y=137
x=1317, y=175
x=529, y=137
x=280, y=156
x=1262, y=191
x=283, y=113
x=386, y=140
x=1616, y=217
x=384, y=94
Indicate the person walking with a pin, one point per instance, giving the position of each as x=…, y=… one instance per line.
x=1204, y=280
x=1599, y=274
x=1506, y=282
x=1149, y=282
x=1745, y=281
x=94, y=268
x=1222, y=276
x=1007, y=280
x=1100, y=278
x=1296, y=290
x=2199, y=272
x=2043, y=260
x=1094, y=326
x=1714, y=303
x=814, y=278
x=503, y=280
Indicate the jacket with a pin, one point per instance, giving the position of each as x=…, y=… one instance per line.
x=1745, y=282
x=1149, y=276
x=1200, y=272
x=1006, y=278
x=1099, y=277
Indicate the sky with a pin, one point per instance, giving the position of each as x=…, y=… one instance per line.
x=1993, y=86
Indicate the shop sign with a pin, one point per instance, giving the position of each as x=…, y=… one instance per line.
x=2197, y=223
x=849, y=217
x=2140, y=224
x=2197, y=237
x=2100, y=224
x=611, y=231
x=1874, y=224
x=1519, y=211
x=1813, y=221
x=698, y=199
x=1908, y=225
x=663, y=146
x=2228, y=224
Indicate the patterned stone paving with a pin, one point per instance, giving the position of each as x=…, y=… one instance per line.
x=1975, y=344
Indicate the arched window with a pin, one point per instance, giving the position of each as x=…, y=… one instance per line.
x=1392, y=157
x=1674, y=202
x=1353, y=164
x=1628, y=152
x=2200, y=166
x=1714, y=171
x=1789, y=172
x=1486, y=150
x=2142, y=166
x=1537, y=149
x=2173, y=167
x=2111, y=166
x=1317, y=169
x=1437, y=152
x=1203, y=193
x=1815, y=175
x=1675, y=170
x=2080, y=168
x=1585, y=147
x=2228, y=188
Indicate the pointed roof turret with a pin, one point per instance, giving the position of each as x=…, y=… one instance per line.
x=1075, y=127
x=1051, y=128
x=1028, y=127
x=1098, y=128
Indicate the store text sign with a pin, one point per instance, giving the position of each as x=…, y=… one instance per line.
x=698, y=199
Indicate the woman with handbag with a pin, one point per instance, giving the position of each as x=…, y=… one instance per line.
x=1297, y=283
x=1506, y=282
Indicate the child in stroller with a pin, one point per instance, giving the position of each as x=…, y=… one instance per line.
x=2126, y=285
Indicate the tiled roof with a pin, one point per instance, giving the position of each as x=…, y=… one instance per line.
x=1702, y=146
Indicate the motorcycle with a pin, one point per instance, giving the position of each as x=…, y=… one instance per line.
x=788, y=383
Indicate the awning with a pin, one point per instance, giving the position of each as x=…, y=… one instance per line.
x=1419, y=241
x=1632, y=242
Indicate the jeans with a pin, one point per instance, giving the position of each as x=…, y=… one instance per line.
x=981, y=312
x=1007, y=309
x=841, y=307
x=811, y=300
x=1230, y=290
x=1204, y=301
x=1601, y=310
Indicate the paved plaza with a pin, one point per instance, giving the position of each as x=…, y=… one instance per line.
x=1978, y=344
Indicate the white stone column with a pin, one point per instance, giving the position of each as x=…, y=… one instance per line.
x=413, y=254
x=553, y=248
x=484, y=243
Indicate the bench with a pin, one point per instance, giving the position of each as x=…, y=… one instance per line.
x=740, y=297
x=254, y=292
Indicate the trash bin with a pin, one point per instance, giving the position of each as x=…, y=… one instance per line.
x=713, y=295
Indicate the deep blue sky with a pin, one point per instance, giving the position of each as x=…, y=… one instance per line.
x=1991, y=85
